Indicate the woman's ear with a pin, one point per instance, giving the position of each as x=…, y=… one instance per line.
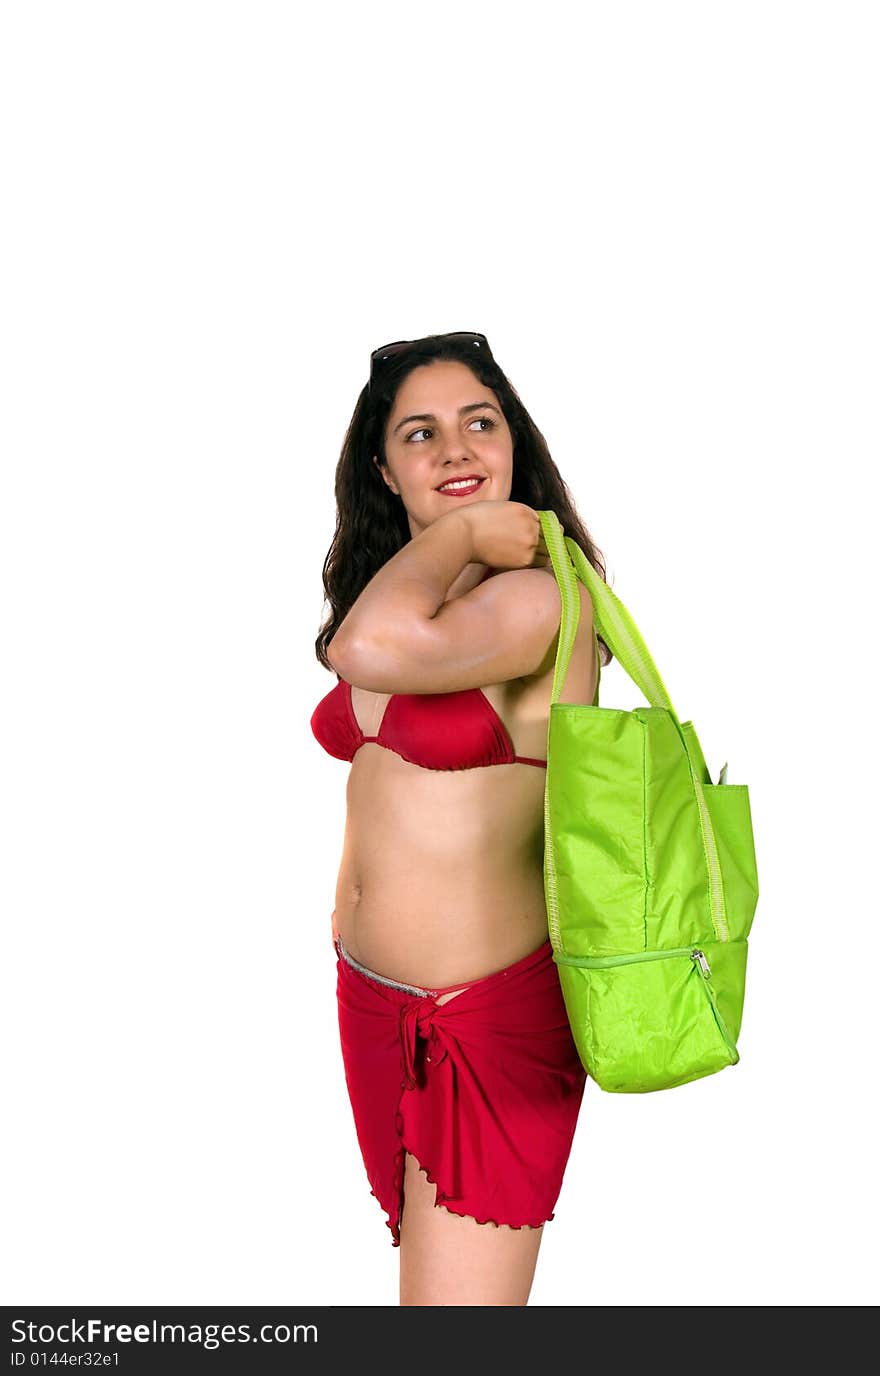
x=384, y=472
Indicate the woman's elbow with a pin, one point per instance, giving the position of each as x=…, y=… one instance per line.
x=341, y=654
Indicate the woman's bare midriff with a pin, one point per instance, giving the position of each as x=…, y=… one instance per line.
x=441, y=879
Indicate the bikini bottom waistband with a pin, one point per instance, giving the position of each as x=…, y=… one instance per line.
x=417, y=989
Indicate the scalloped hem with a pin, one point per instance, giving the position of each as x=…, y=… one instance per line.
x=440, y=1200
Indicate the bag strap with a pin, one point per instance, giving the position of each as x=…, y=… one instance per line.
x=621, y=635
x=610, y=617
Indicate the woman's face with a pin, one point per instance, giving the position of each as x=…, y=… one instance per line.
x=445, y=424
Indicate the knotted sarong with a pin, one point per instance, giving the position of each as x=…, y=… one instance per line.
x=483, y=1090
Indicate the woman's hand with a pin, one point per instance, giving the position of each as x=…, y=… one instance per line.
x=334, y=929
x=506, y=535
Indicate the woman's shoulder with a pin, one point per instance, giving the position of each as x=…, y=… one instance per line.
x=583, y=651
x=542, y=578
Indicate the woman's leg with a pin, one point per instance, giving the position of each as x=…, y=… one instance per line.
x=448, y=1258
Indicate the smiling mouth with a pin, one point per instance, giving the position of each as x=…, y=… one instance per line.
x=462, y=490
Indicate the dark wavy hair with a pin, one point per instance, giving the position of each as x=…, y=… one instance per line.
x=371, y=521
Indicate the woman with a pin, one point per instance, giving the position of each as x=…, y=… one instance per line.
x=463, y=1077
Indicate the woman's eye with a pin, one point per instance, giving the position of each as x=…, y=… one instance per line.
x=478, y=420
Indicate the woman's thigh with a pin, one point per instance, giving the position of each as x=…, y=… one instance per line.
x=447, y=1258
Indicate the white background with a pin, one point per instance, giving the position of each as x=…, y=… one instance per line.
x=665, y=219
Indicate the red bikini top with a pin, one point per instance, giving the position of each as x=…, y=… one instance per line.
x=436, y=730
x=458, y=730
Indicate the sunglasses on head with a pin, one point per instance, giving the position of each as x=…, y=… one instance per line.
x=479, y=343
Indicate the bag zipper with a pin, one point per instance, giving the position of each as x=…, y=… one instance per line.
x=600, y=962
x=722, y=1028
x=717, y=909
x=550, y=886
x=697, y=956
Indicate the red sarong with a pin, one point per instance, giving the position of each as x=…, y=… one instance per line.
x=483, y=1090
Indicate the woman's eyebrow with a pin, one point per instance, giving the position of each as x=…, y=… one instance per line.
x=462, y=410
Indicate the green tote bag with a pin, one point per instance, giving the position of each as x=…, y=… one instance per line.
x=650, y=875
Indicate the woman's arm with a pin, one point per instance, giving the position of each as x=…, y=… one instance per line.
x=402, y=637
x=408, y=590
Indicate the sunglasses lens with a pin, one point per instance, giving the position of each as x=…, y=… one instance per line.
x=379, y=356
x=389, y=350
x=475, y=339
